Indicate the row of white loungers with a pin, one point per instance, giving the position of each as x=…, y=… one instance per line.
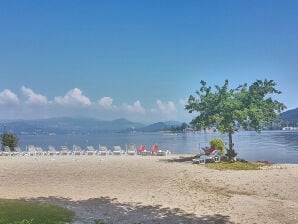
x=32, y=150
x=77, y=151
x=130, y=149
x=7, y=152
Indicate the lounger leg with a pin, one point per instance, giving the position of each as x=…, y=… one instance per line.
x=202, y=161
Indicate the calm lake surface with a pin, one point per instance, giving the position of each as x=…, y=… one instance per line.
x=274, y=146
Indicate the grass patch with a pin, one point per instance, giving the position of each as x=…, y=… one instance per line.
x=23, y=212
x=238, y=165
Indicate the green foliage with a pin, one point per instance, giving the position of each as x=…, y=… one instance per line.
x=10, y=140
x=23, y=212
x=174, y=128
x=184, y=126
x=219, y=145
x=227, y=109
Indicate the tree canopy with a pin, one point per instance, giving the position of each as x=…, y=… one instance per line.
x=246, y=106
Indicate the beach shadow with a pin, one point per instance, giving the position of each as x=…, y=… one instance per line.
x=181, y=159
x=110, y=211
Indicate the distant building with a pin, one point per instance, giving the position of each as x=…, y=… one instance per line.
x=290, y=128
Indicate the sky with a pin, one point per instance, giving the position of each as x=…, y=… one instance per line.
x=139, y=59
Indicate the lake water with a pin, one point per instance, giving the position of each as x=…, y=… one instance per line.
x=274, y=146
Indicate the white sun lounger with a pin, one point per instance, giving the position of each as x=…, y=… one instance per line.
x=18, y=151
x=76, y=150
x=6, y=151
x=214, y=156
x=103, y=150
x=131, y=149
x=117, y=150
x=163, y=152
x=52, y=151
x=31, y=151
x=64, y=151
x=39, y=151
x=90, y=150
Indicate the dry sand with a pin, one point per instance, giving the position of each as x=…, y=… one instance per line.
x=136, y=189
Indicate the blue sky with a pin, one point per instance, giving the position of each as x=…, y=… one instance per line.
x=139, y=59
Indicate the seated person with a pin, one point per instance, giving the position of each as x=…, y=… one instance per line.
x=208, y=151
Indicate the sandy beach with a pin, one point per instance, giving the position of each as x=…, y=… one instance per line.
x=150, y=189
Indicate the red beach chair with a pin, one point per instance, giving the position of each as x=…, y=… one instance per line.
x=154, y=149
x=141, y=150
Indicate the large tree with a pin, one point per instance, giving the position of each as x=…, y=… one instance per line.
x=10, y=140
x=248, y=106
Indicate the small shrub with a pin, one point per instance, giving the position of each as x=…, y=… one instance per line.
x=10, y=140
x=219, y=145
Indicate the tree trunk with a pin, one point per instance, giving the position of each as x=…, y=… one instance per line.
x=231, y=152
x=230, y=140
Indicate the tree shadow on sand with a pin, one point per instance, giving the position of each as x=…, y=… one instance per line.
x=181, y=159
x=109, y=210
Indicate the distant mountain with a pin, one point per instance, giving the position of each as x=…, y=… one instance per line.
x=173, y=123
x=68, y=125
x=159, y=126
x=290, y=118
x=153, y=127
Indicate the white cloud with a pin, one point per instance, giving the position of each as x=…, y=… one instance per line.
x=8, y=97
x=183, y=102
x=106, y=102
x=165, y=108
x=73, y=97
x=32, y=97
x=103, y=108
x=135, y=108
